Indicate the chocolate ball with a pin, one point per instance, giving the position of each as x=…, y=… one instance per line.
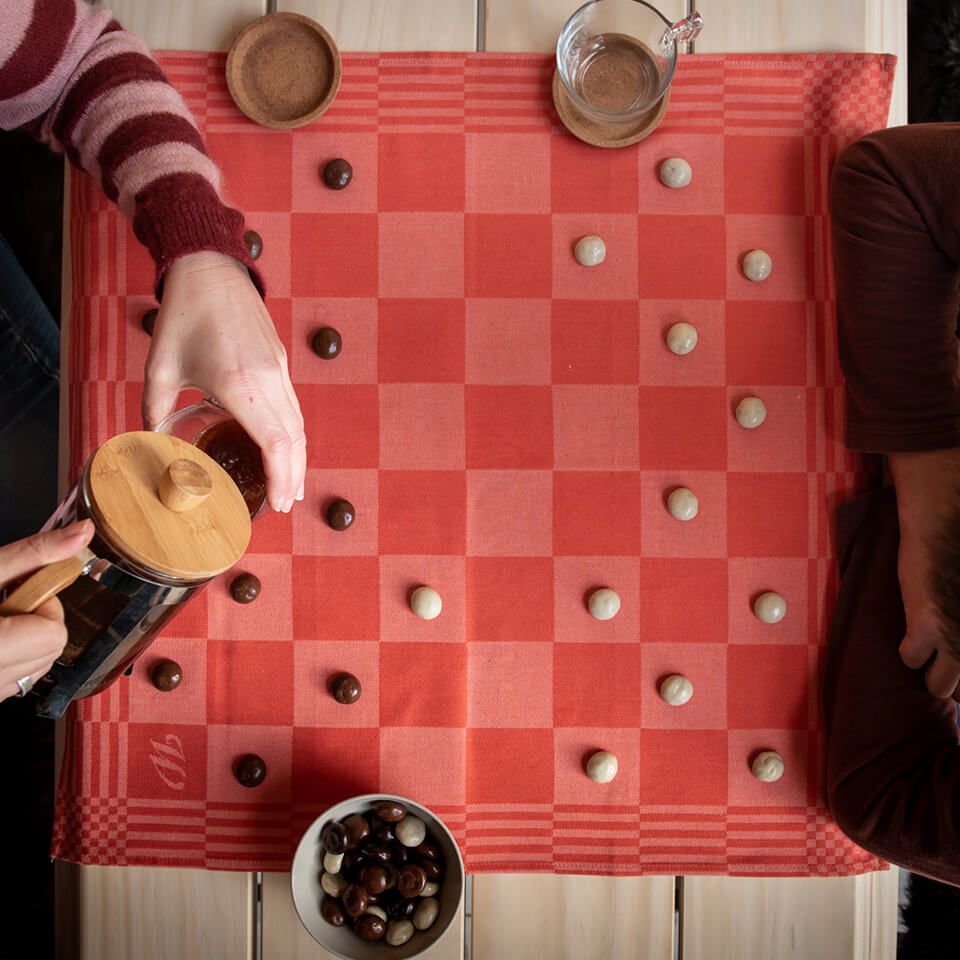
x=428, y=849
x=340, y=514
x=354, y=899
x=374, y=878
x=402, y=909
x=251, y=770
x=245, y=588
x=432, y=869
x=345, y=687
x=370, y=927
x=167, y=675
x=357, y=829
x=389, y=810
x=337, y=174
x=335, y=839
x=381, y=829
x=411, y=880
x=332, y=912
x=353, y=862
x=375, y=850
x=149, y=319
x=327, y=343
x=254, y=243
x=399, y=854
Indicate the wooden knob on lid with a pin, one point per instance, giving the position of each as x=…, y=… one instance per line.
x=184, y=485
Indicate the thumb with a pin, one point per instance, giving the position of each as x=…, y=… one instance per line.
x=24, y=556
x=159, y=400
x=917, y=648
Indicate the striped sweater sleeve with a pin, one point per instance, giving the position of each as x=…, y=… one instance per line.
x=72, y=77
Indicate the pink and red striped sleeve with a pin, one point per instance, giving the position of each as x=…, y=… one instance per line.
x=76, y=80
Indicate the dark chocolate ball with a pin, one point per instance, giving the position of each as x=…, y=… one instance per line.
x=354, y=899
x=432, y=869
x=331, y=911
x=337, y=174
x=245, y=588
x=374, y=877
x=411, y=880
x=389, y=810
x=381, y=829
x=327, y=343
x=370, y=927
x=149, y=319
x=375, y=850
x=399, y=854
x=340, y=514
x=334, y=837
x=254, y=243
x=428, y=849
x=251, y=770
x=167, y=675
x=353, y=862
x=346, y=688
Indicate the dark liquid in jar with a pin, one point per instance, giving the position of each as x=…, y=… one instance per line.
x=228, y=443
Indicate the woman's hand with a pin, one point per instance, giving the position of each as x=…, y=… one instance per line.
x=213, y=333
x=29, y=644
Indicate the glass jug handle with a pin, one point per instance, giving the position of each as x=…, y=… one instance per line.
x=683, y=31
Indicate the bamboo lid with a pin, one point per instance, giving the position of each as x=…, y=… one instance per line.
x=167, y=506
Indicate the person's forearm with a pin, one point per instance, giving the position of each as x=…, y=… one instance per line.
x=895, y=212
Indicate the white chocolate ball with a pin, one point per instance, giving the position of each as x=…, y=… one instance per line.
x=332, y=862
x=757, y=265
x=333, y=883
x=425, y=602
x=676, y=690
x=399, y=932
x=751, y=412
x=427, y=910
x=683, y=504
x=430, y=889
x=604, y=603
x=681, y=338
x=770, y=607
x=602, y=767
x=377, y=911
x=768, y=766
x=675, y=172
x=590, y=251
x=411, y=831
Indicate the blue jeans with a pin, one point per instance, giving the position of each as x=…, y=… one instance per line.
x=29, y=403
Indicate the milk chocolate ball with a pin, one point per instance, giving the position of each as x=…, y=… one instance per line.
x=340, y=514
x=167, y=675
x=332, y=912
x=337, y=174
x=254, y=243
x=245, y=588
x=357, y=829
x=411, y=880
x=251, y=770
x=346, y=688
x=354, y=899
x=327, y=343
x=370, y=927
x=389, y=810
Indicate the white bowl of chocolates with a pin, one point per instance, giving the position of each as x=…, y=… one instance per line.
x=377, y=877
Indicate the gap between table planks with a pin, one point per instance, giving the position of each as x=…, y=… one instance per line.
x=154, y=914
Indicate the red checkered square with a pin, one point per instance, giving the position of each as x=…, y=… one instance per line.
x=506, y=515
x=574, y=579
x=507, y=255
x=490, y=780
x=140, y=270
x=748, y=578
x=777, y=175
x=421, y=255
x=136, y=343
x=433, y=409
x=312, y=150
x=704, y=665
x=704, y=365
x=422, y=512
x=315, y=664
x=272, y=533
x=610, y=186
x=594, y=341
x=331, y=764
x=232, y=152
x=753, y=702
x=745, y=790
x=759, y=526
x=508, y=341
x=613, y=279
x=433, y=701
x=572, y=747
x=185, y=704
x=509, y=684
x=769, y=446
x=313, y=536
x=753, y=328
x=227, y=744
x=668, y=756
x=509, y=427
x=332, y=254
x=234, y=665
x=697, y=242
x=269, y=617
x=595, y=684
x=356, y=322
x=426, y=762
x=275, y=263
x=327, y=611
x=347, y=434
x=595, y=427
x=408, y=171
x=704, y=193
x=421, y=341
x=783, y=238
x=669, y=616
x=509, y=599
x=399, y=577
x=703, y=536
x=517, y=182
x=683, y=428
x=171, y=761
x=596, y=513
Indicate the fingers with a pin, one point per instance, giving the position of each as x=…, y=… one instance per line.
x=24, y=556
x=160, y=393
x=29, y=645
x=917, y=648
x=943, y=675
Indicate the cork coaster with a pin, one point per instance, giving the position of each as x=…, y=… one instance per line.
x=283, y=70
x=604, y=135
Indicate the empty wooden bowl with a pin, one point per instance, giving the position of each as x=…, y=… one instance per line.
x=283, y=70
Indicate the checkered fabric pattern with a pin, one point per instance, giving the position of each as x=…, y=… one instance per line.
x=507, y=424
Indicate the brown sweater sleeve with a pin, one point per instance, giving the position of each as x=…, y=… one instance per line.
x=895, y=211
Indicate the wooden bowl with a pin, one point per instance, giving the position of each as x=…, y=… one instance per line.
x=283, y=70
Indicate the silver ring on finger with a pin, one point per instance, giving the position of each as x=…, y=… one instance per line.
x=25, y=684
